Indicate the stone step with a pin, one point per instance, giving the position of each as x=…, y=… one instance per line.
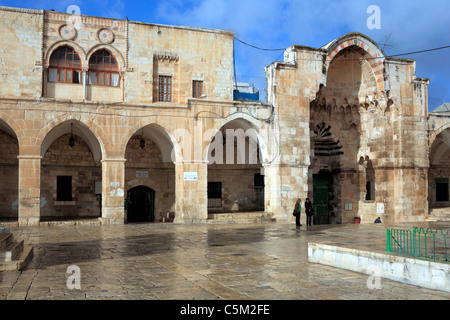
x=12, y=251
x=21, y=262
x=439, y=214
x=13, y=254
x=240, y=217
x=5, y=240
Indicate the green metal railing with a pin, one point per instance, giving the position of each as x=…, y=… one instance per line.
x=419, y=243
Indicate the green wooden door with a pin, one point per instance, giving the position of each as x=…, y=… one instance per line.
x=320, y=204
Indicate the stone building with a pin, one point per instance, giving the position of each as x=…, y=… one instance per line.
x=371, y=139
x=124, y=121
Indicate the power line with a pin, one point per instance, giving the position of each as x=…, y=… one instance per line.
x=422, y=51
x=388, y=56
x=263, y=49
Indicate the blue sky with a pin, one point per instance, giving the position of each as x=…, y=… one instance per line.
x=409, y=25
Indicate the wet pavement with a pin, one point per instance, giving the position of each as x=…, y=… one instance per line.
x=255, y=261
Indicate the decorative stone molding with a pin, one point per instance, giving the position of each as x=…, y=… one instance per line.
x=166, y=56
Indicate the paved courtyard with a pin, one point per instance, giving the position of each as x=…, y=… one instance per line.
x=255, y=261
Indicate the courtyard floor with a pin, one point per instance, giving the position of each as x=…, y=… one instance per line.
x=164, y=261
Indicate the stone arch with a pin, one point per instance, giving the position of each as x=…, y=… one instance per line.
x=136, y=182
x=235, y=161
x=369, y=50
x=246, y=122
x=437, y=132
x=163, y=138
x=9, y=170
x=85, y=132
x=151, y=153
x=439, y=143
x=439, y=170
x=8, y=125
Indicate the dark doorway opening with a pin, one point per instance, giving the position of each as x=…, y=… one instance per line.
x=64, y=188
x=141, y=204
x=441, y=189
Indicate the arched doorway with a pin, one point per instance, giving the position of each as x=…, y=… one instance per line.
x=336, y=124
x=235, y=179
x=9, y=177
x=140, y=204
x=71, y=173
x=439, y=175
x=149, y=163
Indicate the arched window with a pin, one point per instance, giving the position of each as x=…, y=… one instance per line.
x=65, y=66
x=103, y=69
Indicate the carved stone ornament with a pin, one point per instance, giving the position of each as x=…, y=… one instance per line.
x=105, y=35
x=67, y=32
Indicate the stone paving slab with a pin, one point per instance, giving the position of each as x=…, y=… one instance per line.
x=257, y=261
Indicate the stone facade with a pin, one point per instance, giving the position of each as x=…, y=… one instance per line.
x=106, y=118
x=368, y=136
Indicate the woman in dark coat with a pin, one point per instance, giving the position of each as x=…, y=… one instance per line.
x=297, y=211
x=309, y=211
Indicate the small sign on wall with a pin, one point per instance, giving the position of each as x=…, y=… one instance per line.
x=191, y=176
x=141, y=174
x=380, y=207
x=98, y=187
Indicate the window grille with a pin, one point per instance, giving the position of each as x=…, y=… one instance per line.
x=165, y=88
x=197, y=88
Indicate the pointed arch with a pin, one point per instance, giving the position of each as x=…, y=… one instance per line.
x=78, y=128
x=245, y=122
x=366, y=47
x=163, y=138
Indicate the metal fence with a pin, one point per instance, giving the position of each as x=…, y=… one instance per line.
x=419, y=243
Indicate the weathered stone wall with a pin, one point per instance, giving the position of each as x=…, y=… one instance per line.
x=181, y=53
x=290, y=92
x=238, y=190
x=21, y=53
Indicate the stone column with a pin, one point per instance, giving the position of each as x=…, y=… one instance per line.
x=84, y=77
x=284, y=184
x=29, y=189
x=113, y=194
x=191, y=192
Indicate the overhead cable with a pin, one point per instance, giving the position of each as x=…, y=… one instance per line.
x=388, y=56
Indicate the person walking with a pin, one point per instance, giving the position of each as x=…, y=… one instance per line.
x=297, y=211
x=309, y=211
